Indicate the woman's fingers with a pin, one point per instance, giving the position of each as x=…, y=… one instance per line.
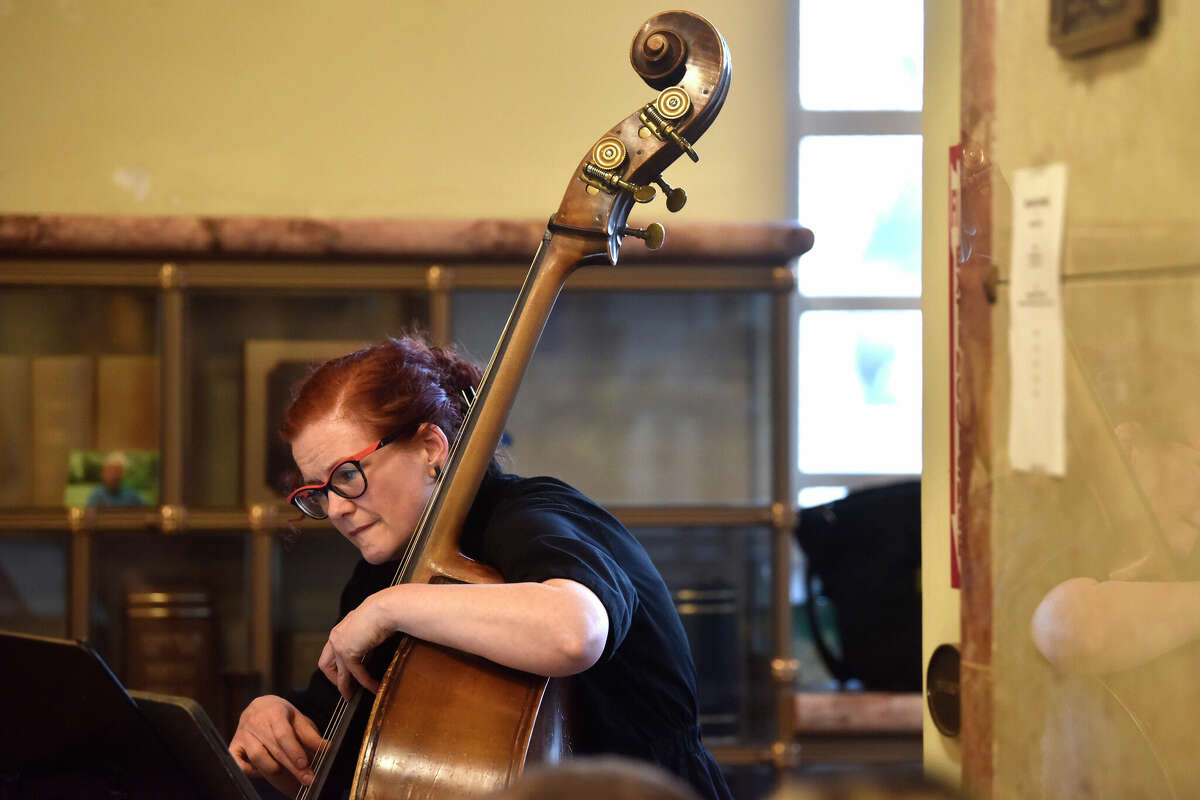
x=267, y=765
x=345, y=681
x=334, y=667
x=240, y=758
x=308, y=734
x=345, y=671
x=328, y=664
x=360, y=673
x=288, y=750
x=295, y=763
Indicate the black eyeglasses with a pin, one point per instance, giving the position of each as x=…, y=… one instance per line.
x=346, y=479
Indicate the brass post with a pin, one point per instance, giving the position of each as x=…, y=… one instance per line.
x=783, y=511
x=171, y=362
x=262, y=551
x=440, y=282
x=78, y=618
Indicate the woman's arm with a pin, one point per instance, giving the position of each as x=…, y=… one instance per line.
x=558, y=627
x=1099, y=627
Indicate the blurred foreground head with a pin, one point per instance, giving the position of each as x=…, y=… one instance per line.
x=601, y=778
x=863, y=787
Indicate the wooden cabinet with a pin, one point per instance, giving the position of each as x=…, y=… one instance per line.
x=663, y=388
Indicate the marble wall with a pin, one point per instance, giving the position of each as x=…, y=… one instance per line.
x=1093, y=612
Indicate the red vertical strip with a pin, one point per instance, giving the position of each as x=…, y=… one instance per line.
x=955, y=230
x=976, y=291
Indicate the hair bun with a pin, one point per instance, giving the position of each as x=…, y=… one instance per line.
x=458, y=377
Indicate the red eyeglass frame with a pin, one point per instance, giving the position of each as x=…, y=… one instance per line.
x=327, y=486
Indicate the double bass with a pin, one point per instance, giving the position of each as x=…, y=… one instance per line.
x=446, y=723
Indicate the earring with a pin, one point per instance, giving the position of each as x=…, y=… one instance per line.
x=435, y=471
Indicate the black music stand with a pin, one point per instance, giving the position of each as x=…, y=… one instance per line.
x=73, y=731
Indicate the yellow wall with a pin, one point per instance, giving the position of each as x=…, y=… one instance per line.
x=940, y=127
x=453, y=108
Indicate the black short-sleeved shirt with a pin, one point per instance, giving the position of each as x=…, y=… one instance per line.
x=639, y=699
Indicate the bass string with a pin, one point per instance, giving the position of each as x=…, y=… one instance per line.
x=411, y=548
x=421, y=532
x=339, y=712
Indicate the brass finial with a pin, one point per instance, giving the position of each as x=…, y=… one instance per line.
x=171, y=519
x=784, y=670
x=262, y=517
x=77, y=519
x=783, y=516
x=784, y=755
x=439, y=278
x=170, y=276
x=784, y=278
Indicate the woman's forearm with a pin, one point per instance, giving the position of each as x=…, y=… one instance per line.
x=554, y=628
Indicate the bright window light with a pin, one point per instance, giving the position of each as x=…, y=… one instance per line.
x=861, y=55
x=861, y=195
x=820, y=495
x=860, y=391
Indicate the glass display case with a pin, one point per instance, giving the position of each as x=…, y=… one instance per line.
x=663, y=387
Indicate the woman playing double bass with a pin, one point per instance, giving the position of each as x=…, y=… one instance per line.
x=369, y=433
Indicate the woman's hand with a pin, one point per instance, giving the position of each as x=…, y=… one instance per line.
x=276, y=742
x=351, y=640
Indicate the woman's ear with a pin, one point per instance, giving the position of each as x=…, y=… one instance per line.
x=431, y=439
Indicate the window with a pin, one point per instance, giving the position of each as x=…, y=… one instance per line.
x=857, y=123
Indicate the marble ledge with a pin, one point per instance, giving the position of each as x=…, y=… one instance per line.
x=858, y=712
x=383, y=239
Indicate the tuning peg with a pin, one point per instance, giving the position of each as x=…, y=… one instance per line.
x=653, y=235
x=664, y=131
x=676, y=197
x=681, y=143
x=607, y=179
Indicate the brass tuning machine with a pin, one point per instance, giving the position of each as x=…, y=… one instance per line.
x=653, y=235
x=658, y=118
x=676, y=196
x=601, y=171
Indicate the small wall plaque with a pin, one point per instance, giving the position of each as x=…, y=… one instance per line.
x=1082, y=26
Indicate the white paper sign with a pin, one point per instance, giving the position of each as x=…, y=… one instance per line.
x=1037, y=427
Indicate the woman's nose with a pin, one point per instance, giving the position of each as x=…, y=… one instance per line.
x=339, y=506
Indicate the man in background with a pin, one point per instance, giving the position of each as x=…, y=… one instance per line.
x=112, y=491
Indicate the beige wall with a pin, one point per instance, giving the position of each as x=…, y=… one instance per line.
x=940, y=127
x=454, y=108
x=1124, y=120
x=1125, y=123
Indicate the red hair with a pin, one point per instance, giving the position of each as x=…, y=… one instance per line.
x=389, y=388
